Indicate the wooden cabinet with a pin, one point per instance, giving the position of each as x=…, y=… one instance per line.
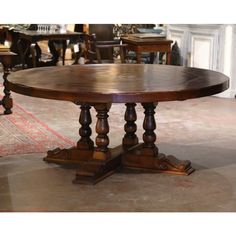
x=199, y=44
x=208, y=47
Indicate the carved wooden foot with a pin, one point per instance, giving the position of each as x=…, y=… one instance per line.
x=85, y=146
x=68, y=156
x=146, y=156
x=148, y=159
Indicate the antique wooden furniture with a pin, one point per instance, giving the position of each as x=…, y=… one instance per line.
x=103, y=32
x=32, y=37
x=93, y=49
x=100, y=85
x=149, y=44
x=6, y=60
x=11, y=37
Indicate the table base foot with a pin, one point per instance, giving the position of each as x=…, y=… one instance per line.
x=90, y=167
x=68, y=156
x=94, y=171
x=148, y=159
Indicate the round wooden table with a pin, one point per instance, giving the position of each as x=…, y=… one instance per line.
x=103, y=84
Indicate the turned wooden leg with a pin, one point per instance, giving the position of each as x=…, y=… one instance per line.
x=149, y=125
x=94, y=163
x=102, y=129
x=85, y=131
x=138, y=57
x=168, y=60
x=146, y=156
x=85, y=146
x=7, y=102
x=152, y=57
x=104, y=161
x=78, y=55
x=130, y=138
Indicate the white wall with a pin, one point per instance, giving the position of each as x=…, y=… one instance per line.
x=208, y=46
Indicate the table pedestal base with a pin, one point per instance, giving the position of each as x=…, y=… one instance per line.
x=69, y=156
x=91, y=167
x=148, y=159
x=92, y=170
x=96, y=163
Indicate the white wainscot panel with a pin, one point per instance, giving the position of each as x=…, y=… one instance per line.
x=202, y=52
x=176, y=37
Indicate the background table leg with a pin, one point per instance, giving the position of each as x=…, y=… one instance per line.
x=7, y=101
x=33, y=53
x=138, y=57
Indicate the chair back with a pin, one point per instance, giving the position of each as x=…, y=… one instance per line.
x=93, y=48
x=90, y=48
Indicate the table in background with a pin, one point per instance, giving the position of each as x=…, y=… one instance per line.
x=32, y=37
x=101, y=85
x=152, y=44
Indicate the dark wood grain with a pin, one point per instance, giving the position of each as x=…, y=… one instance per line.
x=116, y=83
x=101, y=85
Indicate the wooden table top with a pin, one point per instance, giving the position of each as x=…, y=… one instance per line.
x=43, y=35
x=117, y=83
x=2, y=54
x=145, y=41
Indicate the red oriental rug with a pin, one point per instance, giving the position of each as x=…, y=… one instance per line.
x=21, y=132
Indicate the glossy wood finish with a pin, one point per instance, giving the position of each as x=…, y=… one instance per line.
x=116, y=83
x=100, y=86
x=139, y=45
x=6, y=59
x=32, y=37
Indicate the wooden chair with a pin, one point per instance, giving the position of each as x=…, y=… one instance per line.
x=93, y=48
x=71, y=43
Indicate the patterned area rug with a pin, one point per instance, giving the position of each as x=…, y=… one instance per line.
x=21, y=132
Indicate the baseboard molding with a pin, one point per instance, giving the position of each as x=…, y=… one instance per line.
x=229, y=93
x=232, y=93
